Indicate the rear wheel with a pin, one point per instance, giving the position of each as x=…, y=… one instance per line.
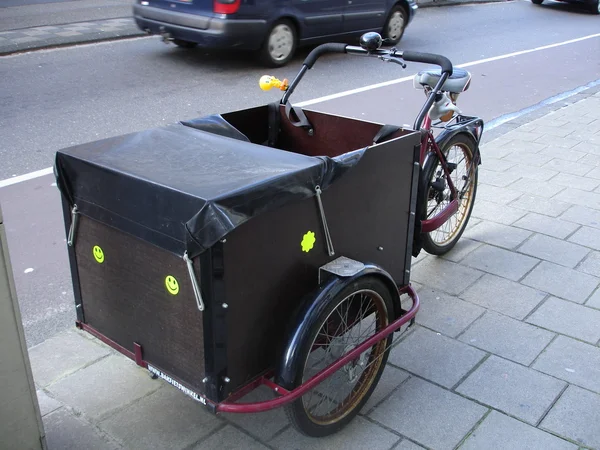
x=184, y=44
x=280, y=44
x=395, y=25
x=537, y=2
x=459, y=152
x=595, y=7
x=354, y=315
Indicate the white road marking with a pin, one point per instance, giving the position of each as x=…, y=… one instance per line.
x=49, y=170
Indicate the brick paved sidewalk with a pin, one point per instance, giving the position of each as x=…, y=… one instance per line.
x=505, y=353
x=72, y=33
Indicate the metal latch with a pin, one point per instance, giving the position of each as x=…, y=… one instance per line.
x=73, y=227
x=195, y=286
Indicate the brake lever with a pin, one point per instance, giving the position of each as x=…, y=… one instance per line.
x=392, y=59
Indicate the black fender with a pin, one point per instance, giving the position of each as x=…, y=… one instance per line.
x=312, y=306
x=471, y=126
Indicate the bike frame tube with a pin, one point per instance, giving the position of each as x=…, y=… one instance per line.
x=289, y=396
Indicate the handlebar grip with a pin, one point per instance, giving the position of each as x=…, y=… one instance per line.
x=321, y=50
x=428, y=58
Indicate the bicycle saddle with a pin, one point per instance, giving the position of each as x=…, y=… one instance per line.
x=458, y=82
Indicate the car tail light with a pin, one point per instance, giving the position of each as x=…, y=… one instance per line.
x=226, y=6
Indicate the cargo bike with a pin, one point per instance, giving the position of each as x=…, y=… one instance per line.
x=269, y=246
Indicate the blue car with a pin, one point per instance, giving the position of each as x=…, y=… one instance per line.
x=273, y=28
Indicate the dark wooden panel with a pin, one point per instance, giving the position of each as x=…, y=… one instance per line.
x=125, y=298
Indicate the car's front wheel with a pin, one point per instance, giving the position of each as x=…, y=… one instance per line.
x=395, y=25
x=280, y=44
x=537, y=2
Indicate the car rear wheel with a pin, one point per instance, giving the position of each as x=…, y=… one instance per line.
x=595, y=7
x=395, y=25
x=184, y=44
x=537, y=2
x=280, y=44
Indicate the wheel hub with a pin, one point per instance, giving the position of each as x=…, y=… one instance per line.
x=281, y=42
x=395, y=25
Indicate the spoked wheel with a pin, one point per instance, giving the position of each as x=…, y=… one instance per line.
x=459, y=152
x=357, y=313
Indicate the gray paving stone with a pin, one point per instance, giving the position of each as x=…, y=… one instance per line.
x=594, y=300
x=588, y=147
x=554, y=250
x=561, y=281
x=498, y=165
x=500, y=179
x=582, y=215
x=546, y=225
x=509, y=387
x=523, y=135
x=47, y=403
x=390, y=380
x=444, y=275
x=496, y=212
x=363, y=435
x=500, y=432
x=531, y=203
x=507, y=297
x=506, y=337
x=595, y=172
x=500, y=262
x=264, y=425
x=576, y=416
x=462, y=248
x=166, y=419
x=529, y=158
x=497, y=234
x=65, y=431
x=589, y=237
x=579, y=197
x=541, y=188
x=229, y=438
x=498, y=149
x=62, y=355
x=557, y=147
x=435, y=357
x=590, y=160
x=553, y=130
x=573, y=181
x=407, y=445
x=591, y=264
x=533, y=173
x=428, y=414
x=568, y=318
x=115, y=382
x=573, y=361
x=496, y=194
x=444, y=313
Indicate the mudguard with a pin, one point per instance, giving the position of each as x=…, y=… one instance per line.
x=473, y=126
x=311, y=308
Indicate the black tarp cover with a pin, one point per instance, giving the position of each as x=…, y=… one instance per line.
x=184, y=189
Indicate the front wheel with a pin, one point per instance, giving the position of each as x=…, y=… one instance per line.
x=358, y=312
x=395, y=25
x=459, y=152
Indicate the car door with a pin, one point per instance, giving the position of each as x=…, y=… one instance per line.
x=319, y=17
x=360, y=15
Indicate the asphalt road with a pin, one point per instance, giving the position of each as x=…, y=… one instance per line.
x=57, y=98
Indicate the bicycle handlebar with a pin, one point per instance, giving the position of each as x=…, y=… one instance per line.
x=429, y=58
x=332, y=47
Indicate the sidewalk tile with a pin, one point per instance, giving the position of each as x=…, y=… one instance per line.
x=573, y=181
x=568, y=318
x=115, y=382
x=363, y=435
x=407, y=445
x=499, y=431
x=264, y=425
x=496, y=213
x=552, y=207
x=444, y=313
x=516, y=390
x=447, y=276
x=65, y=431
x=591, y=264
x=504, y=296
x=428, y=414
x=462, y=248
x=554, y=250
x=62, y=355
x=561, y=281
x=500, y=262
x=47, y=403
x=497, y=234
x=579, y=197
x=576, y=416
x=506, y=337
x=541, y=188
x=229, y=438
x=558, y=146
x=553, y=129
x=523, y=135
x=435, y=357
x=587, y=147
x=546, y=225
x=590, y=160
x=496, y=194
x=166, y=419
x=589, y=237
x=500, y=179
x=498, y=165
x=390, y=380
x=582, y=216
x=594, y=300
x=528, y=156
x=572, y=361
x=533, y=173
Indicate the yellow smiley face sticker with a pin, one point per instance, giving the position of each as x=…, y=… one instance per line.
x=172, y=285
x=98, y=254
